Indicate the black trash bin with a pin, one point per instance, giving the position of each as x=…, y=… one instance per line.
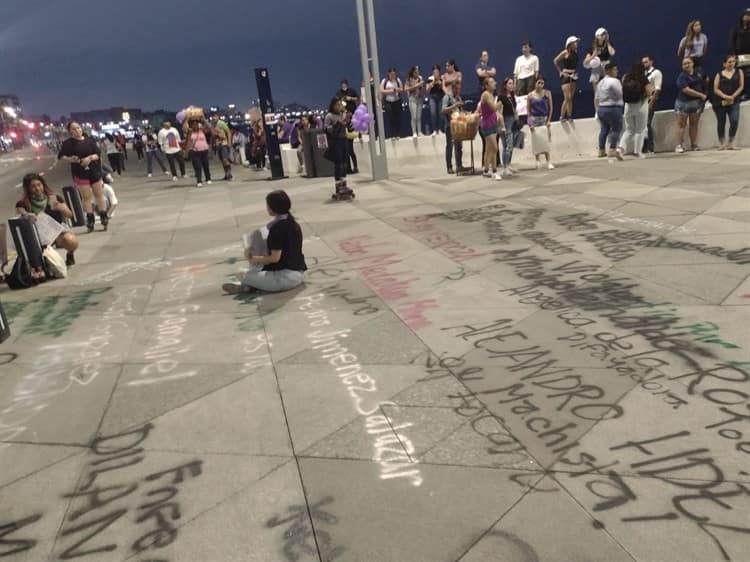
x=315, y=145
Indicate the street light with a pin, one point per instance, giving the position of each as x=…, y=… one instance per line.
x=11, y=112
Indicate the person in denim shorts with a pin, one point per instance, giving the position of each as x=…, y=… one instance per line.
x=691, y=99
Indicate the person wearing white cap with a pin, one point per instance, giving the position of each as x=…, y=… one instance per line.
x=568, y=75
x=597, y=58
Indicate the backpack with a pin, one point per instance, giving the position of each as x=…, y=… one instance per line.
x=20, y=275
x=632, y=90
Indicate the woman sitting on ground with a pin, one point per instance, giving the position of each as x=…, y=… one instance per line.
x=283, y=265
x=38, y=198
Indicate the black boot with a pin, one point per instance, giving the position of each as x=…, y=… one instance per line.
x=104, y=218
x=70, y=259
x=90, y=222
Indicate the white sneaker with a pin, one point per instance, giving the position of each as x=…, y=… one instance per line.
x=166, y=172
x=640, y=156
x=148, y=175
x=679, y=149
x=208, y=182
x=199, y=184
x=414, y=136
x=512, y=170
x=550, y=166
x=618, y=154
x=486, y=174
x=497, y=177
x=507, y=173
x=174, y=178
x=434, y=133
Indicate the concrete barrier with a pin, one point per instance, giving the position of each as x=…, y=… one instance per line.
x=570, y=141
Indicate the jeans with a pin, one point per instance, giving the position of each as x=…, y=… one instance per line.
x=180, y=160
x=115, y=162
x=450, y=147
x=199, y=159
x=508, y=138
x=437, y=119
x=610, y=118
x=636, y=121
x=722, y=112
x=648, y=145
x=351, y=156
x=274, y=281
x=393, y=113
x=340, y=158
x=152, y=155
x=415, y=110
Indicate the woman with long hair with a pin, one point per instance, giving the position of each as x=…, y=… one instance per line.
x=689, y=105
x=390, y=90
x=198, y=147
x=694, y=44
x=39, y=197
x=435, y=94
x=728, y=87
x=82, y=152
x=568, y=76
x=511, y=123
x=415, y=91
x=452, y=74
x=539, y=110
x=636, y=91
x=596, y=60
x=488, y=128
x=283, y=263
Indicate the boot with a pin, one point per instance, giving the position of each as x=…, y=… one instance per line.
x=90, y=222
x=104, y=218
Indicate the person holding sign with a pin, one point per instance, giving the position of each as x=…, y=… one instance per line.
x=42, y=202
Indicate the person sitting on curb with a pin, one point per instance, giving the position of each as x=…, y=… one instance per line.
x=283, y=265
x=38, y=198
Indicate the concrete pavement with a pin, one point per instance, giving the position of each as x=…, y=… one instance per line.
x=549, y=368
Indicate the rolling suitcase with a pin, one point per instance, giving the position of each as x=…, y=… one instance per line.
x=73, y=200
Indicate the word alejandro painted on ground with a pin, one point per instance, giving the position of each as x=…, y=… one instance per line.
x=392, y=451
x=103, y=499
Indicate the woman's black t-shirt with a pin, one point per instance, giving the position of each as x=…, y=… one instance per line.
x=82, y=148
x=57, y=215
x=286, y=235
x=509, y=105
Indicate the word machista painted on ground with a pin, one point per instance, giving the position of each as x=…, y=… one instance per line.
x=392, y=450
x=702, y=492
x=105, y=497
x=391, y=286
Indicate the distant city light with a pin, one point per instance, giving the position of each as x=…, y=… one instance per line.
x=125, y=116
x=231, y=106
x=10, y=111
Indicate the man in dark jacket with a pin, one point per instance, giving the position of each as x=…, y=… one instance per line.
x=739, y=44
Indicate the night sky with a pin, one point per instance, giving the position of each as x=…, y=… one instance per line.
x=73, y=55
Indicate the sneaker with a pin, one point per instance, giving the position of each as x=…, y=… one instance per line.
x=640, y=156
x=507, y=173
x=679, y=149
x=234, y=288
x=434, y=133
x=618, y=154
x=602, y=154
x=90, y=221
x=149, y=175
x=451, y=171
x=512, y=170
x=174, y=178
x=550, y=166
x=166, y=172
x=199, y=184
x=497, y=177
x=695, y=148
x=414, y=136
x=208, y=182
x=70, y=260
x=486, y=173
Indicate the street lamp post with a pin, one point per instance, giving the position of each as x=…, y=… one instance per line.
x=371, y=67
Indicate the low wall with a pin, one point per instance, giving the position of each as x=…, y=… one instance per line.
x=570, y=141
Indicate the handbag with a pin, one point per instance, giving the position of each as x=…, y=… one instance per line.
x=54, y=262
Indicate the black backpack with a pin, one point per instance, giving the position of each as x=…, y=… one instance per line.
x=632, y=90
x=20, y=275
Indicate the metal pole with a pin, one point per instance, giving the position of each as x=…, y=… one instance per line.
x=378, y=157
x=376, y=76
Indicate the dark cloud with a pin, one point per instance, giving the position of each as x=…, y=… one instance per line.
x=69, y=55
